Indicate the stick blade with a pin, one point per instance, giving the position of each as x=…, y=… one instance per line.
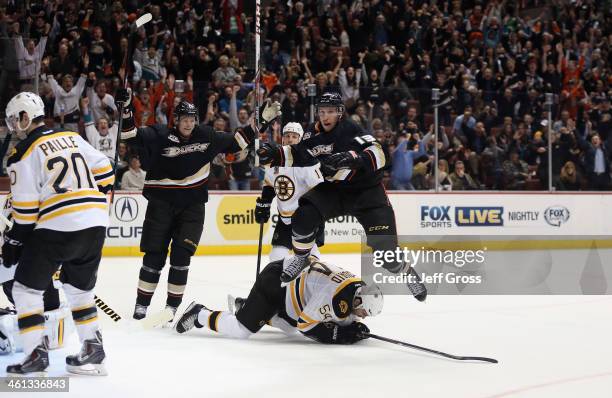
x=155, y=320
x=482, y=359
x=143, y=19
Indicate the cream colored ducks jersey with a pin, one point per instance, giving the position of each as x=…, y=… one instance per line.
x=289, y=184
x=55, y=177
x=322, y=293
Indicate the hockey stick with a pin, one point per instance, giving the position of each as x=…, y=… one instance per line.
x=429, y=350
x=259, y=248
x=127, y=61
x=257, y=84
x=150, y=322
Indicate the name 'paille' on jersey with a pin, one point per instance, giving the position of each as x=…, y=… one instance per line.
x=55, y=177
x=323, y=293
x=289, y=184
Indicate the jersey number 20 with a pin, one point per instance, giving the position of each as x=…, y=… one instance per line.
x=60, y=166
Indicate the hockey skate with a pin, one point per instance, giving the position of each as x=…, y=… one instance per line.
x=234, y=304
x=140, y=311
x=90, y=360
x=292, y=267
x=34, y=365
x=189, y=317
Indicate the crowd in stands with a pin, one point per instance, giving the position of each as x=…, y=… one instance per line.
x=493, y=62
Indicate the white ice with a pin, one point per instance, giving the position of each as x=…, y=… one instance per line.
x=548, y=346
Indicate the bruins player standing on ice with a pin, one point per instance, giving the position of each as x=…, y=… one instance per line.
x=324, y=303
x=352, y=163
x=60, y=218
x=176, y=187
x=288, y=184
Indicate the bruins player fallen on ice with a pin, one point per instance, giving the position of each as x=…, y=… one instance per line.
x=323, y=303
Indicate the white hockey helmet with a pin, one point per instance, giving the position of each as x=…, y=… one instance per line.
x=26, y=102
x=293, y=127
x=371, y=298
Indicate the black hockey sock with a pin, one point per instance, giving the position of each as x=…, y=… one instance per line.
x=149, y=277
x=304, y=224
x=302, y=244
x=177, y=280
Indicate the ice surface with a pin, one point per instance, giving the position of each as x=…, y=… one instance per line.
x=548, y=346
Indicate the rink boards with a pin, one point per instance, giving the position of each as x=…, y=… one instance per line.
x=562, y=220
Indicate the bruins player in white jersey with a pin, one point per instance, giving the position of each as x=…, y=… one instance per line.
x=60, y=216
x=58, y=326
x=288, y=184
x=323, y=303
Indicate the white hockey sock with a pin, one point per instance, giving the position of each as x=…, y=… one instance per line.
x=84, y=312
x=223, y=322
x=280, y=323
x=278, y=253
x=30, y=308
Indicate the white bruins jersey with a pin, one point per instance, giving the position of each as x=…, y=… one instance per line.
x=289, y=184
x=55, y=177
x=322, y=293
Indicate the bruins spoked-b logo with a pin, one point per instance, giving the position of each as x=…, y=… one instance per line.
x=284, y=187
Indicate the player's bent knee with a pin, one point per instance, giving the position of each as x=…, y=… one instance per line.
x=180, y=256
x=155, y=260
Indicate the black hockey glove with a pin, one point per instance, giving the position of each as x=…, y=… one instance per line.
x=327, y=170
x=343, y=160
x=262, y=211
x=123, y=97
x=11, y=252
x=269, y=153
x=352, y=333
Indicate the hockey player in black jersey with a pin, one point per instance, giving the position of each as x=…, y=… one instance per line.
x=352, y=162
x=176, y=187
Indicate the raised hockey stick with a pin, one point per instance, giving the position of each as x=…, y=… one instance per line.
x=429, y=350
x=127, y=62
x=257, y=84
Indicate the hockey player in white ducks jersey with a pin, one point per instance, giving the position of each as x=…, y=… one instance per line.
x=60, y=215
x=324, y=303
x=288, y=184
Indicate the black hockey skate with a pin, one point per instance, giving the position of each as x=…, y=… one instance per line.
x=292, y=267
x=189, y=318
x=90, y=360
x=34, y=365
x=140, y=311
x=416, y=286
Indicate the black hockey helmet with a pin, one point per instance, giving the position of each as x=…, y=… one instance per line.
x=331, y=99
x=185, y=108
